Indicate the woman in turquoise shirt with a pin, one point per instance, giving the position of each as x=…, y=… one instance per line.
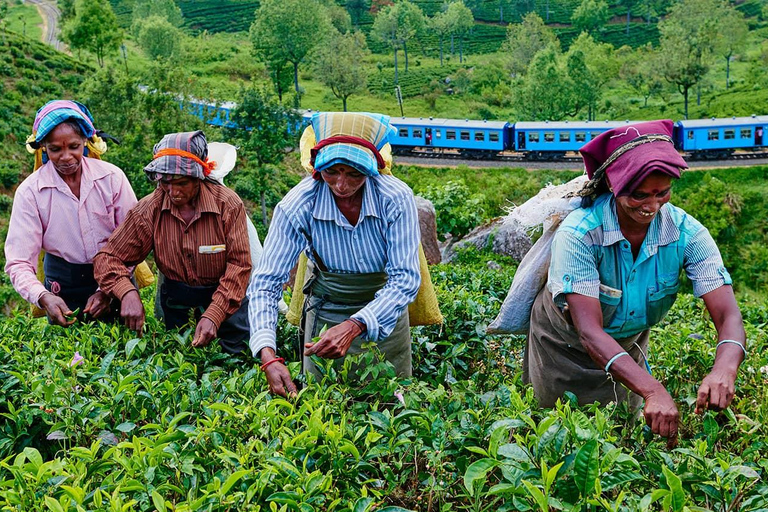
x=614, y=273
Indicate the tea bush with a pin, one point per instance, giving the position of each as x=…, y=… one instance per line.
x=153, y=424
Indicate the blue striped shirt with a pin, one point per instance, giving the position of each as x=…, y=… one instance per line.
x=385, y=239
x=591, y=257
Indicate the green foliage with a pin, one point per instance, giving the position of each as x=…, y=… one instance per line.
x=159, y=38
x=458, y=212
x=338, y=65
x=526, y=39
x=93, y=28
x=714, y=205
x=219, y=16
x=9, y=174
x=590, y=15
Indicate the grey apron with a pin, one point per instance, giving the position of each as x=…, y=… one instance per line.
x=332, y=298
x=555, y=361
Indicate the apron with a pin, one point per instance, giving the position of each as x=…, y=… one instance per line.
x=555, y=361
x=332, y=298
x=176, y=300
x=74, y=283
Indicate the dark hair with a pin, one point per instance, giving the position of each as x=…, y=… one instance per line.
x=73, y=124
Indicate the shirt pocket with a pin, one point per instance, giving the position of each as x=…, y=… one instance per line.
x=211, y=265
x=609, y=303
x=661, y=299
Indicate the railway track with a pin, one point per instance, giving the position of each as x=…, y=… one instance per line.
x=51, y=14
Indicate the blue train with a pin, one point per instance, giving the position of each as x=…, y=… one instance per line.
x=713, y=138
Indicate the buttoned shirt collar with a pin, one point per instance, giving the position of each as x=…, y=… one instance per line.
x=326, y=209
x=662, y=231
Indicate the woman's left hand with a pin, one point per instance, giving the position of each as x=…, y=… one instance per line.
x=334, y=342
x=204, y=333
x=716, y=391
x=98, y=304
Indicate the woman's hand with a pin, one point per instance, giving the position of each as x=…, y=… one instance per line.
x=716, y=390
x=278, y=376
x=98, y=304
x=662, y=416
x=334, y=342
x=204, y=333
x=132, y=311
x=56, y=309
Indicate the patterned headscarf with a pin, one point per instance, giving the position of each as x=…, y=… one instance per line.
x=184, y=154
x=357, y=139
x=53, y=114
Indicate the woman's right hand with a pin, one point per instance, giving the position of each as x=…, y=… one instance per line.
x=662, y=416
x=132, y=311
x=278, y=376
x=57, y=309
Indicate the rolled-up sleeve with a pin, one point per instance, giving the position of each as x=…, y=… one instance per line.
x=23, y=245
x=282, y=246
x=703, y=264
x=402, y=241
x=572, y=269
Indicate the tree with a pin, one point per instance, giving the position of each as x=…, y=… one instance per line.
x=159, y=38
x=67, y=8
x=93, y=28
x=526, y=39
x=144, y=9
x=629, y=4
x=688, y=36
x=411, y=23
x=440, y=25
x=590, y=15
x=340, y=18
x=287, y=30
x=338, y=65
x=270, y=129
x=599, y=66
x=732, y=36
x=356, y=10
x=385, y=29
x=639, y=71
x=545, y=93
x=281, y=76
x=462, y=22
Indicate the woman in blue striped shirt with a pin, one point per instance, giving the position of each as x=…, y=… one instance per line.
x=359, y=229
x=614, y=273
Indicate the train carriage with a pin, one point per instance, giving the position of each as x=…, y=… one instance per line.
x=719, y=137
x=469, y=138
x=548, y=140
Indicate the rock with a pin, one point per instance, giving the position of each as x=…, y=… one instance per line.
x=428, y=228
x=506, y=240
x=493, y=265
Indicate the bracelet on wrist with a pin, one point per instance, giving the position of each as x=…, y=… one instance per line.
x=278, y=359
x=734, y=342
x=359, y=324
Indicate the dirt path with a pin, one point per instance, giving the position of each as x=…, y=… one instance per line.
x=50, y=14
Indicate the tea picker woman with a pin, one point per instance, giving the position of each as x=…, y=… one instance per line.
x=68, y=208
x=359, y=228
x=614, y=274
x=198, y=233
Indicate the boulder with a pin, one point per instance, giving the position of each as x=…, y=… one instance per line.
x=506, y=239
x=428, y=228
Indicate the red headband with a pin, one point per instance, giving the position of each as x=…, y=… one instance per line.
x=207, y=166
x=348, y=139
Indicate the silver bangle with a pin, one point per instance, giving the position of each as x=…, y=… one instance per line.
x=741, y=346
x=614, y=358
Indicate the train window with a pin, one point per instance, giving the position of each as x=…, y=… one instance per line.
x=533, y=136
x=746, y=133
x=464, y=135
x=690, y=134
x=729, y=134
x=549, y=137
x=450, y=135
x=580, y=137
x=493, y=137
x=592, y=135
x=713, y=135
x=403, y=132
x=438, y=133
x=565, y=136
x=480, y=136
x=417, y=133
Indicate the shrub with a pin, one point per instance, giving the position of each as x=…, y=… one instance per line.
x=458, y=211
x=9, y=174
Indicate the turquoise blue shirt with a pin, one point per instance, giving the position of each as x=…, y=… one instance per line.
x=591, y=257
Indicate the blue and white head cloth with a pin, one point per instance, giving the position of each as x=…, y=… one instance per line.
x=352, y=138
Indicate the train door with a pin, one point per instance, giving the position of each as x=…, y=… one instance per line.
x=521, y=140
x=758, y=136
x=428, y=136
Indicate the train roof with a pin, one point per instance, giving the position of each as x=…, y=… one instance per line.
x=572, y=125
x=717, y=122
x=447, y=123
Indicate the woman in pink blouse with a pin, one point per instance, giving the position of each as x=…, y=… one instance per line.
x=67, y=208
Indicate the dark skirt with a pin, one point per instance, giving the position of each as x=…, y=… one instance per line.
x=75, y=284
x=179, y=301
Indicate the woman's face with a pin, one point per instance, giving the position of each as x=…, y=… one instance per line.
x=345, y=181
x=65, y=148
x=644, y=203
x=182, y=190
